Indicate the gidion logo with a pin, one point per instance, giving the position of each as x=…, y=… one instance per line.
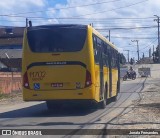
x=37, y=75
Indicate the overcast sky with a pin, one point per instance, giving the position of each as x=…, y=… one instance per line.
x=127, y=19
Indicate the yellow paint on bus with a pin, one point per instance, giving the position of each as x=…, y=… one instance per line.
x=63, y=73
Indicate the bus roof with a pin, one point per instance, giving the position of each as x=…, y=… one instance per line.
x=59, y=25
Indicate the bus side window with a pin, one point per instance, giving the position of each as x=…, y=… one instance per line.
x=95, y=50
x=112, y=58
x=99, y=47
x=105, y=54
x=94, y=41
x=109, y=55
x=116, y=59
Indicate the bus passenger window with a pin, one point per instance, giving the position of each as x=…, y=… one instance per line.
x=106, y=58
x=114, y=59
x=96, y=53
x=94, y=42
x=96, y=56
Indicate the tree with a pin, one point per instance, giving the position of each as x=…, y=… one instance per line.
x=156, y=55
x=131, y=61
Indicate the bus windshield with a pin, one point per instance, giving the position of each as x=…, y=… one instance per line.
x=56, y=39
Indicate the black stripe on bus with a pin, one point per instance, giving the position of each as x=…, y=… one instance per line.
x=55, y=63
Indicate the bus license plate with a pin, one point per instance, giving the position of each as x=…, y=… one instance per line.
x=57, y=85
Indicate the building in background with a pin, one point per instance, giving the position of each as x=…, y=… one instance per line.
x=11, y=48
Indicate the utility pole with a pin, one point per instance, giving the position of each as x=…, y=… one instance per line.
x=137, y=47
x=26, y=22
x=150, y=53
x=157, y=20
x=128, y=54
x=109, y=35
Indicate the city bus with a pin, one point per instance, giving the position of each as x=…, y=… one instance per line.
x=67, y=63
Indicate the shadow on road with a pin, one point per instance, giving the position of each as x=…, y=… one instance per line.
x=41, y=110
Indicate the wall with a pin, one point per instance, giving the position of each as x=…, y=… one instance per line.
x=10, y=82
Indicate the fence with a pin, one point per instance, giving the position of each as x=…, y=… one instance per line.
x=10, y=81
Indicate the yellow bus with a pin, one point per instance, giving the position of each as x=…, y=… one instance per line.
x=69, y=63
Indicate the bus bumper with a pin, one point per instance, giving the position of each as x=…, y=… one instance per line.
x=68, y=95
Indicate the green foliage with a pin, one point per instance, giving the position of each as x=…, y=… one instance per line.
x=156, y=56
x=132, y=61
x=2, y=96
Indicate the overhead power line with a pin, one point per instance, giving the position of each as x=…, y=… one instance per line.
x=123, y=37
x=146, y=19
x=116, y=28
x=69, y=7
x=151, y=44
x=11, y=21
x=74, y=17
x=101, y=20
x=113, y=9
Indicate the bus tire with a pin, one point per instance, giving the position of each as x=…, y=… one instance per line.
x=102, y=104
x=118, y=86
x=114, y=99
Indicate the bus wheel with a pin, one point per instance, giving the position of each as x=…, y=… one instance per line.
x=118, y=90
x=114, y=99
x=102, y=104
x=118, y=87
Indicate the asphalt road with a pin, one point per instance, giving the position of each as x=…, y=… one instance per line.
x=34, y=115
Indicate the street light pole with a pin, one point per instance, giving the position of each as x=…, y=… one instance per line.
x=157, y=20
x=109, y=35
x=26, y=22
x=128, y=54
x=137, y=47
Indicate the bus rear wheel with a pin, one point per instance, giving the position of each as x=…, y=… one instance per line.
x=114, y=99
x=102, y=104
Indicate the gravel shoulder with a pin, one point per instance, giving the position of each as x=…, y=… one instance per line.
x=11, y=98
x=145, y=111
